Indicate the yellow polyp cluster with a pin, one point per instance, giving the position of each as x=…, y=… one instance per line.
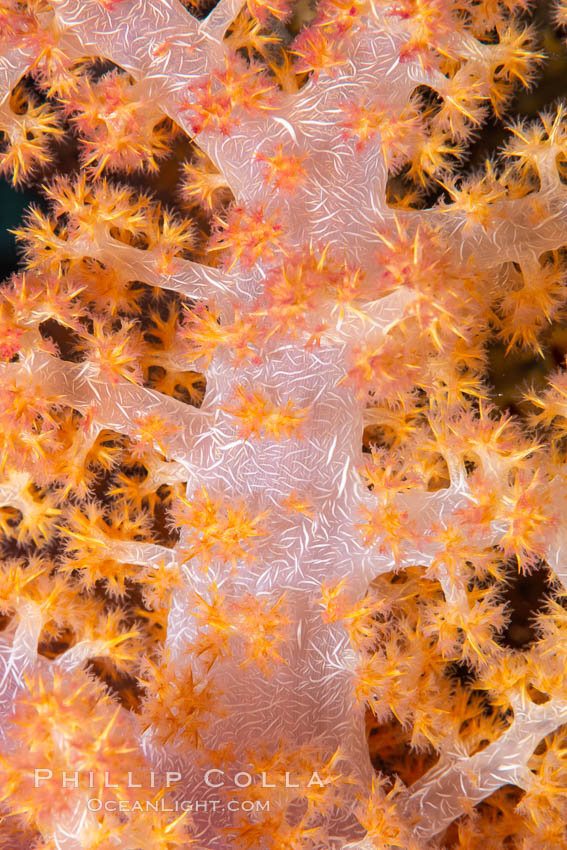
x=29, y=129
x=284, y=171
x=258, y=416
x=203, y=185
x=531, y=304
x=215, y=101
x=247, y=235
x=205, y=335
x=64, y=724
x=118, y=131
x=114, y=353
x=177, y=704
x=216, y=528
x=252, y=629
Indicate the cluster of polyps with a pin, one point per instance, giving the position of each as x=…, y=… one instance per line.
x=329, y=301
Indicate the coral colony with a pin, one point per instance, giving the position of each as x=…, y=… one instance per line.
x=208, y=590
